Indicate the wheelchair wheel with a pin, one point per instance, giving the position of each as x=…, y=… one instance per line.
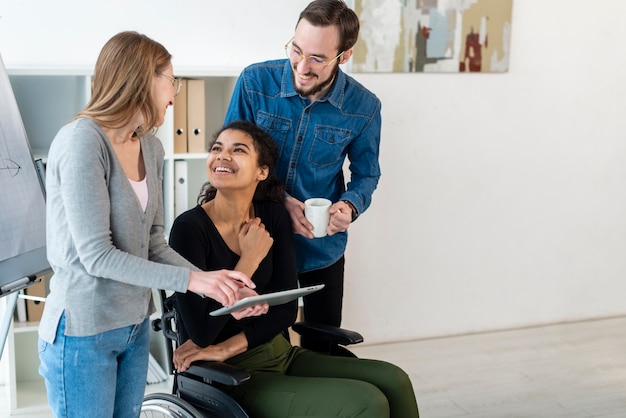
x=163, y=405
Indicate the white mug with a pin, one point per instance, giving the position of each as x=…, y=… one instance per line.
x=316, y=211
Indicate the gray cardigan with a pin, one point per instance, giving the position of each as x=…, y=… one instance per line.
x=106, y=253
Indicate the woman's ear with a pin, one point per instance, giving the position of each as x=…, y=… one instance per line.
x=264, y=172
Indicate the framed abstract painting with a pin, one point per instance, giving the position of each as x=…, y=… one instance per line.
x=439, y=36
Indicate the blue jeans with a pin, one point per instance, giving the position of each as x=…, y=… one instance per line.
x=102, y=375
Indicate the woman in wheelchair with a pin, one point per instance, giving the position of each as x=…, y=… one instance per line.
x=241, y=224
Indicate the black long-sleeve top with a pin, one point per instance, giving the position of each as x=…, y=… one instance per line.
x=197, y=239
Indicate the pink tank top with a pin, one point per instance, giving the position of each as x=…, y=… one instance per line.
x=141, y=190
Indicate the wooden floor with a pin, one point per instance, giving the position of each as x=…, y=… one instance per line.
x=572, y=370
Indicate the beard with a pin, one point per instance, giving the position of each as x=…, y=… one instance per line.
x=315, y=89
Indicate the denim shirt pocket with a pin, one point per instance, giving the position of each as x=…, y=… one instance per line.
x=277, y=126
x=329, y=144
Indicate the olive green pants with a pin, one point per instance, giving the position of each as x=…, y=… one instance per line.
x=292, y=382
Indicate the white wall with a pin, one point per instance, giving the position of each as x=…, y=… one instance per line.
x=502, y=201
x=200, y=34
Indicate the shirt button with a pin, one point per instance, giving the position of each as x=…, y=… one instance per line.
x=300, y=138
x=293, y=165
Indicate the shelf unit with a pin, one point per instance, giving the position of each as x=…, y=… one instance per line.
x=218, y=89
x=26, y=391
x=47, y=98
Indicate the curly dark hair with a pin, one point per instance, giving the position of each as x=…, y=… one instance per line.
x=269, y=189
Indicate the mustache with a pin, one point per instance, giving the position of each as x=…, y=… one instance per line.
x=317, y=88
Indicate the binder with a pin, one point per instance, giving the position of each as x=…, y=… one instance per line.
x=196, y=123
x=180, y=187
x=180, y=120
x=34, y=308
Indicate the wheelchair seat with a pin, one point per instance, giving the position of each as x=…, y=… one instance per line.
x=197, y=391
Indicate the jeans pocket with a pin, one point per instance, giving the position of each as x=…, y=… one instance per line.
x=41, y=345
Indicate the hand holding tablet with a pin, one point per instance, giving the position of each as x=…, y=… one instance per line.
x=275, y=298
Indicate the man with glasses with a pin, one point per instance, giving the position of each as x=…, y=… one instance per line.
x=318, y=116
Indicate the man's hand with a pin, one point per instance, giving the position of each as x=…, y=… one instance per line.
x=299, y=222
x=340, y=217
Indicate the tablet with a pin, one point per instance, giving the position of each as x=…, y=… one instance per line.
x=275, y=298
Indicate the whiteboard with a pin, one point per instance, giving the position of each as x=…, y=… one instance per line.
x=22, y=201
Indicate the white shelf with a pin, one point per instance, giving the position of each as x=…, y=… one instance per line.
x=30, y=397
x=23, y=327
x=192, y=156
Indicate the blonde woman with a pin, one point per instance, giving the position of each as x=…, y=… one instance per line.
x=105, y=237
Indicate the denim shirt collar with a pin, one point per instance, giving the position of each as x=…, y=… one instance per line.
x=334, y=96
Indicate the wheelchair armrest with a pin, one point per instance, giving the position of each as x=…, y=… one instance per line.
x=328, y=333
x=215, y=371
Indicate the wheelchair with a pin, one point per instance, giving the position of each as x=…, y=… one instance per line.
x=197, y=392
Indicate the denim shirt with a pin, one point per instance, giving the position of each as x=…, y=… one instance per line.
x=314, y=140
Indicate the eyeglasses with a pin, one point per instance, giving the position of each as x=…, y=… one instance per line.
x=176, y=82
x=295, y=54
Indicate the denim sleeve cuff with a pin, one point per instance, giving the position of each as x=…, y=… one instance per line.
x=355, y=213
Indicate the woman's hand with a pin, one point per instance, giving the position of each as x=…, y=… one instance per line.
x=221, y=285
x=188, y=352
x=255, y=310
x=254, y=241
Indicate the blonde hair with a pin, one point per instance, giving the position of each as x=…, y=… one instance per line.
x=122, y=82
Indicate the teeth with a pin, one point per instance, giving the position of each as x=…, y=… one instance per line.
x=223, y=170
